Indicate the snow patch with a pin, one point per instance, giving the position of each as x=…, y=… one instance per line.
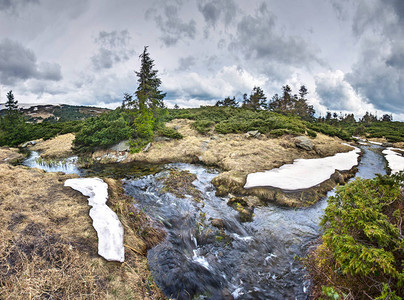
x=105, y=221
x=304, y=173
x=395, y=160
x=375, y=143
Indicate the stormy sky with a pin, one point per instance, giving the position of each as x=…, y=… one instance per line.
x=348, y=53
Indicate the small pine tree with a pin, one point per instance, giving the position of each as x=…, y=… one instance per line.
x=148, y=94
x=231, y=102
x=257, y=99
x=11, y=104
x=228, y=102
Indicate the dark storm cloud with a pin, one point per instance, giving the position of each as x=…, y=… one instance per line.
x=172, y=27
x=185, y=63
x=379, y=71
x=113, y=39
x=49, y=71
x=14, y=5
x=113, y=48
x=20, y=63
x=213, y=11
x=259, y=39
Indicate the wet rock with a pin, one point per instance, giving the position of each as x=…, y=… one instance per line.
x=178, y=276
x=30, y=143
x=338, y=177
x=304, y=143
x=387, y=144
x=218, y=223
x=223, y=295
x=252, y=134
x=245, y=211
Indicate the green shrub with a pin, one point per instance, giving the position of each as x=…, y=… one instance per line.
x=311, y=133
x=103, y=131
x=279, y=132
x=203, y=126
x=170, y=133
x=363, y=246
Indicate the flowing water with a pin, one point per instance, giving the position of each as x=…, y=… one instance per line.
x=67, y=165
x=253, y=260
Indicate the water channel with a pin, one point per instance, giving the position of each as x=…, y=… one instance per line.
x=252, y=260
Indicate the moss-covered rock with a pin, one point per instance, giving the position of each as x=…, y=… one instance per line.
x=180, y=184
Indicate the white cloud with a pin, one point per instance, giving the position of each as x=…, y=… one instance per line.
x=228, y=81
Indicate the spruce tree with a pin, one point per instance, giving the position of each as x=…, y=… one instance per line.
x=148, y=94
x=257, y=99
x=146, y=109
x=11, y=104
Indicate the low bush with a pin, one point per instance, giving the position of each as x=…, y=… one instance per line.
x=170, y=133
x=101, y=132
x=362, y=252
x=203, y=126
x=311, y=133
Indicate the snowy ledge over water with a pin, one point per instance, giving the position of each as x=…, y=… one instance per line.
x=304, y=173
x=395, y=160
x=105, y=221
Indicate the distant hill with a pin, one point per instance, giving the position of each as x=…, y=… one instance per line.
x=62, y=112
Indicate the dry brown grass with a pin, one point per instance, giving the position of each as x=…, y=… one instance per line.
x=10, y=155
x=232, y=152
x=48, y=247
x=60, y=146
x=238, y=156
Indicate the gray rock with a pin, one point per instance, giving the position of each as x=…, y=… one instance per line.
x=338, y=178
x=30, y=143
x=204, y=145
x=161, y=139
x=217, y=223
x=304, y=143
x=145, y=149
x=122, y=146
x=252, y=134
x=387, y=144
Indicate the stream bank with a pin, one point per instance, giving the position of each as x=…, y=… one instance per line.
x=203, y=258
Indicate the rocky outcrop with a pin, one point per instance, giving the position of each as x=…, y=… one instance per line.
x=304, y=143
x=252, y=134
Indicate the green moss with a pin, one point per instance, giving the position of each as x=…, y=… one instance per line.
x=179, y=183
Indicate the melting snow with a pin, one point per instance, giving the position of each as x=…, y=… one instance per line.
x=304, y=173
x=395, y=160
x=375, y=143
x=105, y=221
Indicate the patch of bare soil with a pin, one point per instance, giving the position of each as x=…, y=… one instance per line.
x=10, y=155
x=58, y=147
x=48, y=247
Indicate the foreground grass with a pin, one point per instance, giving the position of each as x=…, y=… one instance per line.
x=48, y=247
